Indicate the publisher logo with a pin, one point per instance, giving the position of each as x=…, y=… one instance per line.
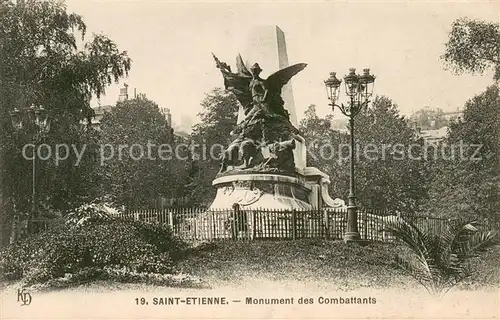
x=23, y=297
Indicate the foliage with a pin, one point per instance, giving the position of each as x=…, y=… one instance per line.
x=148, y=167
x=71, y=182
x=134, y=247
x=473, y=46
x=316, y=129
x=218, y=119
x=385, y=174
x=467, y=185
x=440, y=261
x=396, y=179
x=429, y=119
x=323, y=149
x=48, y=60
x=88, y=214
x=121, y=275
x=44, y=64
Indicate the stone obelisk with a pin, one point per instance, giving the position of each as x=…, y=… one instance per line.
x=267, y=46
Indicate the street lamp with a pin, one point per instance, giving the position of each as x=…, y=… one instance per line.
x=38, y=121
x=358, y=89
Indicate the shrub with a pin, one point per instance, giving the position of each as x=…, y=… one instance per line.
x=133, y=246
x=89, y=274
x=440, y=261
x=88, y=213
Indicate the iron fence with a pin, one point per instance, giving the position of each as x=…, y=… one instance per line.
x=202, y=224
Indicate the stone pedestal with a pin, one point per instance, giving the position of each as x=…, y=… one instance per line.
x=262, y=191
x=306, y=189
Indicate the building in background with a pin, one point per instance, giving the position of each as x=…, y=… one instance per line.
x=98, y=114
x=184, y=128
x=454, y=115
x=168, y=116
x=123, y=93
x=434, y=136
x=437, y=130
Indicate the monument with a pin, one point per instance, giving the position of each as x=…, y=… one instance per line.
x=267, y=45
x=265, y=165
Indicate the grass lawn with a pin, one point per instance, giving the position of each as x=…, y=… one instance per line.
x=302, y=268
x=325, y=264
x=330, y=264
x=312, y=264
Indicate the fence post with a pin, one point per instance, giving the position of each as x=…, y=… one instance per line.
x=365, y=223
x=194, y=221
x=234, y=222
x=254, y=228
x=294, y=225
x=171, y=220
x=326, y=223
x=215, y=228
x=210, y=224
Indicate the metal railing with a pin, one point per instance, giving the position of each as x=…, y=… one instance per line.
x=202, y=224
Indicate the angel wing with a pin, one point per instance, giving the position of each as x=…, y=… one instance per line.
x=239, y=86
x=237, y=83
x=277, y=80
x=242, y=69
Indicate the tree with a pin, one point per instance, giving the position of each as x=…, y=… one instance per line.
x=386, y=176
x=69, y=182
x=41, y=63
x=467, y=184
x=139, y=159
x=218, y=119
x=323, y=144
x=473, y=46
x=439, y=261
x=395, y=179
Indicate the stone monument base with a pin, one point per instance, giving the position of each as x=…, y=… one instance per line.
x=265, y=202
x=303, y=190
x=261, y=191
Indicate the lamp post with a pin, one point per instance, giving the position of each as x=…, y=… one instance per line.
x=358, y=89
x=37, y=124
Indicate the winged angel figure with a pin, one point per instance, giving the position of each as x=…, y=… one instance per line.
x=266, y=119
x=255, y=94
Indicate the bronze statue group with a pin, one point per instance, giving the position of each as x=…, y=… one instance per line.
x=266, y=125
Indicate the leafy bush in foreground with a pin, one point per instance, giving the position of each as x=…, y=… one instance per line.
x=89, y=274
x=132, y=246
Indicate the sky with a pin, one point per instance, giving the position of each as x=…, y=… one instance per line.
x=170, y=44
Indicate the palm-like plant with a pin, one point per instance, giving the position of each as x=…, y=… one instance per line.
x=440, y=261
